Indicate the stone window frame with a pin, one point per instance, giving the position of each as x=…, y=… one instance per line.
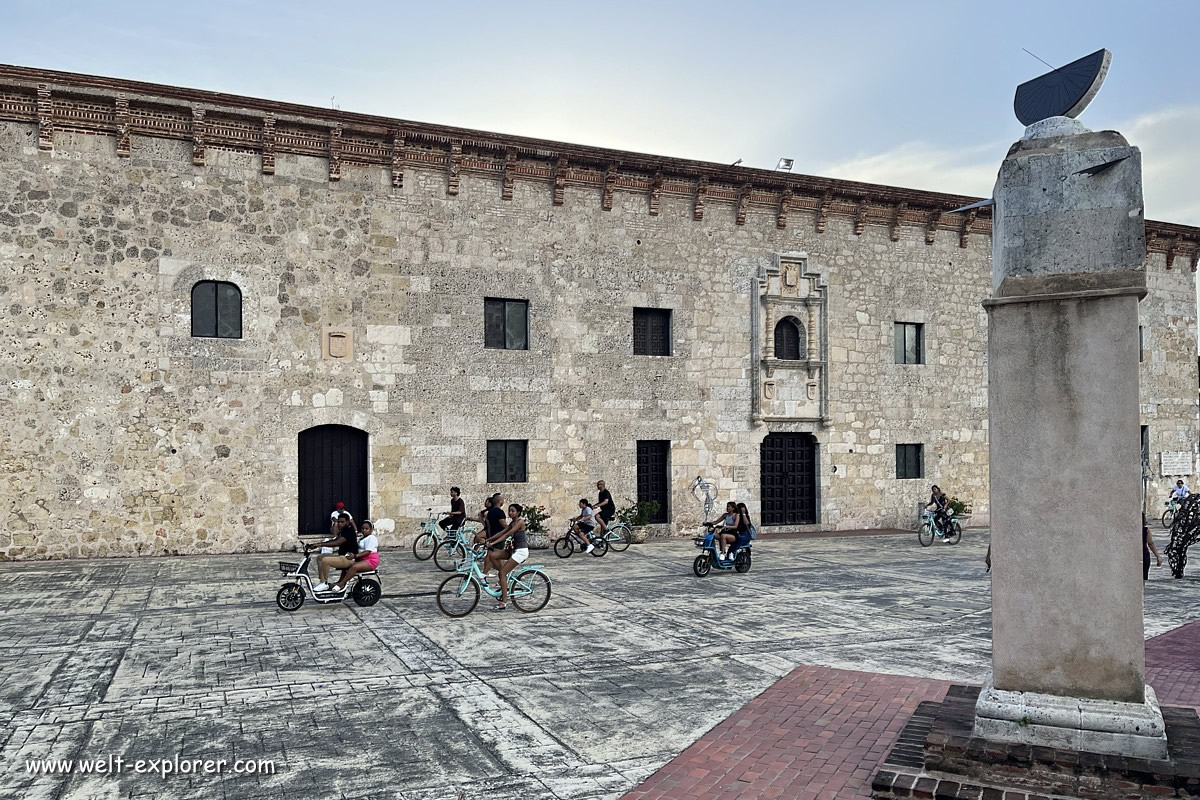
x=176, y=279
x=777, y=309
x=801, y=338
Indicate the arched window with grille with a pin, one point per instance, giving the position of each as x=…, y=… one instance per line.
x=217, y=310
x=791, y=344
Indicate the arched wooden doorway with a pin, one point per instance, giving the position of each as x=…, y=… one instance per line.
x=333, y=467
x=789, y=479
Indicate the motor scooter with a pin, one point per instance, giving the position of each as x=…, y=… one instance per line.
x=364, y=587
x=739, y=555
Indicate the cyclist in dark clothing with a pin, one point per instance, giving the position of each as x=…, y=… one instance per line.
x=941, y=505
x=458, y=512
x=605, y=508
x=495, y=521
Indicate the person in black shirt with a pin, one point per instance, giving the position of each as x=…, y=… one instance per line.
x=940, y=503
x=458, y=512
x=346, y=541
x=605, y=508
x=495, y=522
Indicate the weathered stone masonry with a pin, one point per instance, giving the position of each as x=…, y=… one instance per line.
x=126, y=435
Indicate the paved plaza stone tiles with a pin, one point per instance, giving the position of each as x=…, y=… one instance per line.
x=631, y=663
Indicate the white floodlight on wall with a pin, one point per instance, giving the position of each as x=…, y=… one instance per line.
x=784, y=165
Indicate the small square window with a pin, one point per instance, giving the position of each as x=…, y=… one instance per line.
x=652, y=331
x=910, y=461
x=910, y=343
x=506, y=324
x=506, y=461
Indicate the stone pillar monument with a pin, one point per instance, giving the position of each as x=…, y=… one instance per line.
x=1067, y=265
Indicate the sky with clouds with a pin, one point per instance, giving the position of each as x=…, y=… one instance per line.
x=915, y=94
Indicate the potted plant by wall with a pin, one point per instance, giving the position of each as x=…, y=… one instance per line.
x=637, y=517
x=539, y=538
x=959, y=510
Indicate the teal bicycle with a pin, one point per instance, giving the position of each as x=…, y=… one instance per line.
x=451, y=551
x=528, y=588
x=430, y=538
x=618, y=535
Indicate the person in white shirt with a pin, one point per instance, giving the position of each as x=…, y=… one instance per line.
x=1180, y=493
x=584, y=524
x=365, y=560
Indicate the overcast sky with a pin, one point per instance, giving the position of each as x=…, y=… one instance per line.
x=915, y=94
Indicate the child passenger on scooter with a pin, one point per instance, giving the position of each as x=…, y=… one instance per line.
x=365, y=560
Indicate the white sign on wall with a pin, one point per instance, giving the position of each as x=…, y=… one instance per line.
x=1176, y=464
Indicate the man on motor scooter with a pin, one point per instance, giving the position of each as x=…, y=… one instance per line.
x=346, y=541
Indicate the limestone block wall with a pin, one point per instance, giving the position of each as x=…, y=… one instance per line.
x=125, y=435
x=1168, y=371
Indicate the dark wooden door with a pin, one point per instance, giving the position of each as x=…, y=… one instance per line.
x=653, y=470
x=789, y=479
x=333, y=468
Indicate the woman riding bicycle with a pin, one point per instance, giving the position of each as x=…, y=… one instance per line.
x=520, y=552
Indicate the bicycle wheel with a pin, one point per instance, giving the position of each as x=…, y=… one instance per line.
x=423, y=546
x=701, y=566
x=955, y=534
x=457, y=596
x=619, y=538
x=1168, y=518
x=447, y=556
x=925, y=535
x=601, y=548
x=564, y=547
x=530, y=591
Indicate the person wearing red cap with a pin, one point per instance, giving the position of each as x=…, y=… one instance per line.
x=338, y=510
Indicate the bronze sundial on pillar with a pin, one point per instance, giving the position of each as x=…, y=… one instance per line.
x=1065, y=92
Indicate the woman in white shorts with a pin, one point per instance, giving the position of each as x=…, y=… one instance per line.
x=515, y=529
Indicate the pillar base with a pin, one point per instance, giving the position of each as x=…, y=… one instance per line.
x=1072, y=723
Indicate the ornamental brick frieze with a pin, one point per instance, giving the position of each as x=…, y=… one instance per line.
x=58, y=101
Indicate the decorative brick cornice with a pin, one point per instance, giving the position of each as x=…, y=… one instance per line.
x=212, y=120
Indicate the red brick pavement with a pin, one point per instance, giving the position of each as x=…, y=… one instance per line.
x=819, y=733
x=1173, y=666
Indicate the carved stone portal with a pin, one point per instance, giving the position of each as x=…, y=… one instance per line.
x=792, y=331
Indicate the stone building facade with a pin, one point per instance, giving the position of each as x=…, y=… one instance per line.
x=678, y=319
